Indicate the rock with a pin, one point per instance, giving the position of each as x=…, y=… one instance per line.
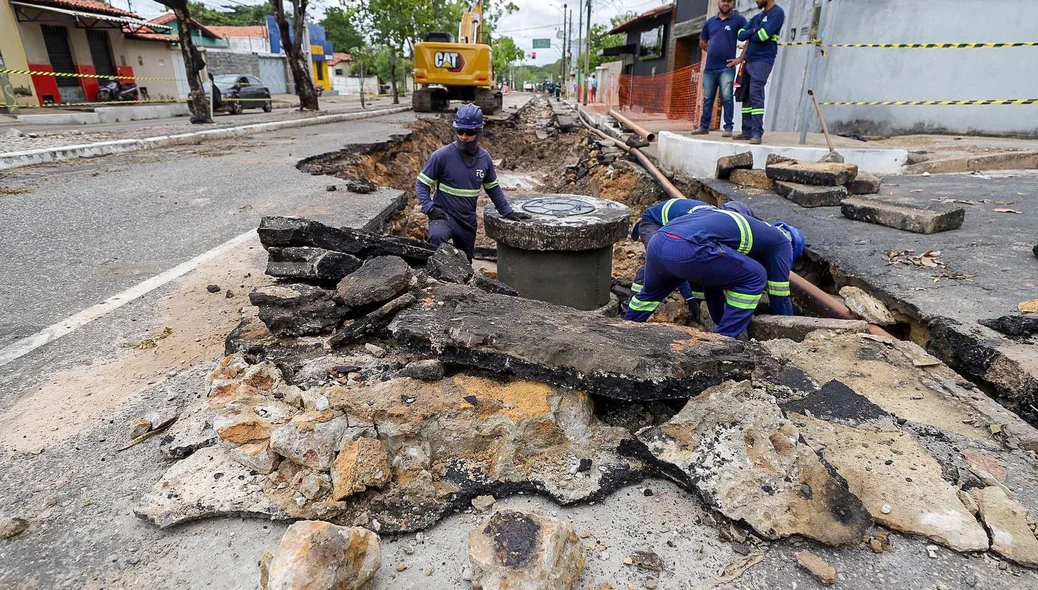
x=249, y=418
x=12, y=527
x=375, y=350
x=833, y=157
x=377, y=281
x=864, y=184
x=774, y=158
x=812, y=173
x=360, y=187
x=311, y=439
x=483, y=503
x=866, y=306
x=313, y=264
x=726, y=164
x=818, y=567
x=284, y=232
x=757, y=179
x=888, y=467
x=361, y=464
x=1035, y=250
x=903, y=214
x=427, y=370
x=193, y=430
x=733, y=446
x=206, y=484
x=315, y=555
x=256, y=456
x=373, y=322
x=1016, y=326
x=625, y=360
x=491, y=285
x=139, y=427
x=811, y=196
x=517, y=550
x=213, y=288
x=298, y=309
x=250, y=335
x=449, y=265
x=1006, y=521
x=796, y=328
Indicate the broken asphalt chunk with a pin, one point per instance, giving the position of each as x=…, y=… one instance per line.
x=449, y=265
x=811, y=196
x=903, y=214
x=298, y=309
x=372, y=322
x=284, y=232
x=314, y=264
x=813, y=173
x=378, y=280
x=727, y=164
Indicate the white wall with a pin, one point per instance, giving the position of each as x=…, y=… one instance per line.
x=351, y=85
x=248, y=44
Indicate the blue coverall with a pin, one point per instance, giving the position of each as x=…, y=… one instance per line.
x=733, y=256
x=762, y=34
x=457, y=186
x=652, y=220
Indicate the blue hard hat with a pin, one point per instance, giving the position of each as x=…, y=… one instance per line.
x=740, y=208
x=469, y=116
x=796, y=239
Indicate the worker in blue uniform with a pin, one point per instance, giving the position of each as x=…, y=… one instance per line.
x=660, y=215
x=733, y=256
x=452, y=180
x=762, y=41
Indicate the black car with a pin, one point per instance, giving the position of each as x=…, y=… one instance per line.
x=238, y=92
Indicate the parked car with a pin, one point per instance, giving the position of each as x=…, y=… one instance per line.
x=237, y=92
x=529, y=86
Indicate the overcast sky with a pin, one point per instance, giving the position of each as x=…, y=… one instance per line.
x=535, y=19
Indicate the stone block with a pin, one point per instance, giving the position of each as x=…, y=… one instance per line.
x=903, y=215
x=315, y=264
x=298, y=309
x=810, y=195
x=449, y=264
x=751, y=178
x=377, y=281
x=866, y=306
x=777, y=159
x=284, y=232
x=796, y=328
x=726, y=164
x=864, y=184
x=316, y=555
x=519, y=550
x=813, y=173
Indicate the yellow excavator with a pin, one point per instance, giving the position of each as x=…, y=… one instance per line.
x=446, y=70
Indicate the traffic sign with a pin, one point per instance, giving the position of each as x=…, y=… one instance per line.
x=542, y=43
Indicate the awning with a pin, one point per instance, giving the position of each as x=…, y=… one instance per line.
x=630, y=48
x=133, y=23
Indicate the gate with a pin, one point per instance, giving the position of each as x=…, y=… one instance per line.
x=272, y=72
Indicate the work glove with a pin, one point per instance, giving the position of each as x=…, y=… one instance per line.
x=693, y=310
x=517, y=216
x=436, y=213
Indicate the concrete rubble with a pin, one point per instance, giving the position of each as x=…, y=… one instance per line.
x=904, y=215
x=866, y=306
x=807, y=195
x=518, y=550
x=315, y=555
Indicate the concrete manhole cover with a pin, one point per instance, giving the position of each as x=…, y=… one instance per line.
x=558, y=207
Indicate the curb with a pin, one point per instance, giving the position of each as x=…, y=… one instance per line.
x=1027, y=160
x=42, y=156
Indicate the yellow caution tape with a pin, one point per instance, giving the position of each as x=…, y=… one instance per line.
x=916, y=45
x=68, y=75
x=883, y=103
x=86, y=104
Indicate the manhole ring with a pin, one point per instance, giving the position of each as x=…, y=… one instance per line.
x=558, y=207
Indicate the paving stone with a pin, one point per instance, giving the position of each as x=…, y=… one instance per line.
x=864, y=184
x=774, y=158
x=811, y=196
x=377, y=281
x=866, y=306
x=315, y=555
x=752, y=178
x=298, y=309
x=903, y=215
x=1006, y=520
x=449, y=264
x=316, y=264
x=520, y=550
x=813, y=173
x=726, y=164
x=796, y=328
x=427, y=370
x=284, y=232
x=624, y=360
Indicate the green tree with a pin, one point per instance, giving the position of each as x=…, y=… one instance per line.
x=237, y=15
x=506, y=53
x=340, y=30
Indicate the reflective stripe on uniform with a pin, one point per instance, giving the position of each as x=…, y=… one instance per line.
x=422, y=178
x=459, y=192
x=636, y=287
x=756, y=111
x=698, y=295
x=775, y=38
x=763, y=35
x=492, y=184
x=745, y=234
x=741, y=300
x=665, y=214
x=778, y=288
x=747, y=110
x=639, y=305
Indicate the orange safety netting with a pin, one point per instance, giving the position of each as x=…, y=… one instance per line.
x=675, y=95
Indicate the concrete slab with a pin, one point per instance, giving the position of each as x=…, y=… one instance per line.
x=689, y=156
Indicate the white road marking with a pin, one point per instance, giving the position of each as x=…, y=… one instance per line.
x=51, y=333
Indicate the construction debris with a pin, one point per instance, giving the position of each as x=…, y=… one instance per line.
x=796, y=328
x=812, y=173
x=930, y=259
x=518, y=550
x=818, y=567
x=317, y=555
x=864, y=184
x=903, y=214
x=1007, y=521
x=866, y=306
x=757, y=179
x=811, y=196
x=727, y=164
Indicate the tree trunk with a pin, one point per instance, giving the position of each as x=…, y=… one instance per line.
x=392, y=75
x=362, y=86
x=294, y=52
x=197, y=99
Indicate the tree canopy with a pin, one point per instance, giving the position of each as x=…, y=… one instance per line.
x=339, y=29
x=236, y=15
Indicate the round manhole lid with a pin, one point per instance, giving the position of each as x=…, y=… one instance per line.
x=558, y=207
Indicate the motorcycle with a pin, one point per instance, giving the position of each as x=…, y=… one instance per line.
x=112, y=90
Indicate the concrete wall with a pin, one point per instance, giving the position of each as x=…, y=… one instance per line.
x=13, y=52
x=149, y=59
x=351, y=85
x=225, y=62
x=248, y=44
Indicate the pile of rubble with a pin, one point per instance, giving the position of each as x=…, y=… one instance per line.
x=381, y=385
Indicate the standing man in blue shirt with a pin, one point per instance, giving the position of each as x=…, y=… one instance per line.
x=719, y=40
x=762, y=36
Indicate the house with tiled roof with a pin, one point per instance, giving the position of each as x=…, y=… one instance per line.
x=58, y=51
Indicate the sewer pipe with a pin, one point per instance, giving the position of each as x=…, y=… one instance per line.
x=643, y=132
x=817, y=299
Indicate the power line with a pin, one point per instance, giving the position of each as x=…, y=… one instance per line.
x=528, y=28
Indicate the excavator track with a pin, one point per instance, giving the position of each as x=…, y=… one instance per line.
x=421, y=101
x=489, y=100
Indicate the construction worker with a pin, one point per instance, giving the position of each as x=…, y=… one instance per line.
x=660, y=215
x=761, y=35
x=457, y=173
x=733, y=256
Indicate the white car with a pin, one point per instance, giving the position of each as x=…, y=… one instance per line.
x=529, y=87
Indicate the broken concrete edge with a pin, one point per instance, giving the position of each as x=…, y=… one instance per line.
x=42, y=156
x=1003, y=161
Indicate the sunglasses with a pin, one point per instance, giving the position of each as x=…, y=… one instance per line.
x=467, y=132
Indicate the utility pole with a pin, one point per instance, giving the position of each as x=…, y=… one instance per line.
x=562, y=64
x=580, y=43
x=587, y=52
x=569, y=39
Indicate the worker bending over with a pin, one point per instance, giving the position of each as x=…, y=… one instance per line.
x=733, y=256
x=457, y=173
x=660, y=215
